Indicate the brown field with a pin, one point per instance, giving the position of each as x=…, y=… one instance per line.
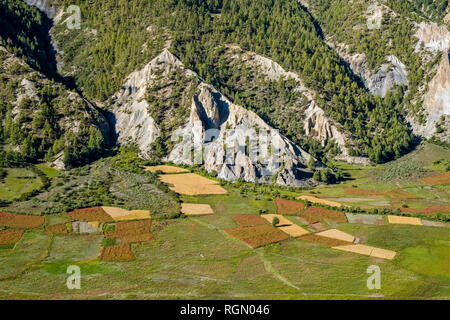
x=20, y=221
x=288, y=206
x=404, y=220
x=316, y=214
x=361, y=192
x=248, y=220
x=191, y=184
x=258, y=236
x=91, y=214
x=283, y=220
x=329, y=242
x=321, y=201
x=337, y=234
x=165, y=169
x=132, y=231
x=10, y=236
x=143, y=237
x=294, y=230
x=438, y=179
x=428, y=210
x=117, y=253
x=133, y=225
x=193, y=209
x=57, y=229
x=119, y=214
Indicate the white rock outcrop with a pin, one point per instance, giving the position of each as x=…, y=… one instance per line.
x=433, y=37
x=232, y=153
x=237, y=143
x=437, y=103
x=317, y=124
x=130, y=110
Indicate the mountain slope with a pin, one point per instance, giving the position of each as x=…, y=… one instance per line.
x=100, y=55
x=41, y=119
x=395, y=50
x=206, y=112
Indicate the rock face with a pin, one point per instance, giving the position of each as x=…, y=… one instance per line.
x=391, y=73
x=236, y=143
x=316, y=122
x=218, y=134
x=433, y=37
x=130, y=110
x=437, y=104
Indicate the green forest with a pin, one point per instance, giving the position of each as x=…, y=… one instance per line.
x=120, y=36
x=279, y=29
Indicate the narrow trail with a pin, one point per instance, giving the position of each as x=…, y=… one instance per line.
x=267, y=264
x=27, y=266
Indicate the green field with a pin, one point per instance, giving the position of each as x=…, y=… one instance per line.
x=17, y=182
x=193, y=257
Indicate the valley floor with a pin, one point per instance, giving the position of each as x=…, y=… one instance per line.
x=193, y=258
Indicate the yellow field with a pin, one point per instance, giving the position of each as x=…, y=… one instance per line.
x=356, y=248
x=165, y=169
x=119, y=214
x=283, y=220
x=368, y=251
x=337, y=234
x=192, y=209
x=94, y=224
x=192, y=184
x=321, y=201
x=405, y=220
x=294, y=230
x=383, y=253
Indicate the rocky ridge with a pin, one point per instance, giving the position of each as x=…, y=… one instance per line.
x=211, y=113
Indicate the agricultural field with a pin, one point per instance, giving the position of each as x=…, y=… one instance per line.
x=221, y=246
x=191, y=184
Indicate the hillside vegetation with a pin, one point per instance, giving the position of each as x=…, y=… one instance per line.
x=279, y=29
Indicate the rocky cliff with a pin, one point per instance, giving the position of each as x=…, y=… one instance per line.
x=316, y=123
x=218, y=134
x=437, y=104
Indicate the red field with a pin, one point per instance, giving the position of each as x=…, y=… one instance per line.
x=288, y=206
x=132, y=231
x=258, y=236
x=20, y=221
x=57, y=229
x=117, y=253
x=10, y=236
x=428, y=210
x=361, y=192
x=438, y=179
x=248, y=220
x=91, y=214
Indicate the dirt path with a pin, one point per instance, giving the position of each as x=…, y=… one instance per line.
x=267, y=264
